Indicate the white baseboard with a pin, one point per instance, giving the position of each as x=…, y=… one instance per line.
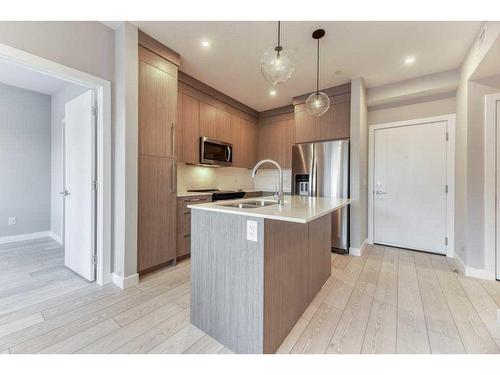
x=24, y=237
x=55, y=237
x=478, y=273
x=358, y=251
x=125, y=282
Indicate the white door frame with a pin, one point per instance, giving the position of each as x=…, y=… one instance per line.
x=450, y=172
x=103, y=96
x=490, y=185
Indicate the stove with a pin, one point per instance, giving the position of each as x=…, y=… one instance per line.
x=219, y=195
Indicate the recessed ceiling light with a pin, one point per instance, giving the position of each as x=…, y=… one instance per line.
x=272, y=92
x=409, y=60
x=205, y=43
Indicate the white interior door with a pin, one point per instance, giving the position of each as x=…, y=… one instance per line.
x=79, y=165
x=498, y=191
x=409, y=208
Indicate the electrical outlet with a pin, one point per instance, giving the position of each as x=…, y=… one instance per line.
x=12, y=221
x=251, y=230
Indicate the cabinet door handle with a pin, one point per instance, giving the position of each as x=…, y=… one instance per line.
x=187, y=235
x=173, y=169
x=172, y=138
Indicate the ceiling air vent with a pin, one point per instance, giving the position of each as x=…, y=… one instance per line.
x=481, y=39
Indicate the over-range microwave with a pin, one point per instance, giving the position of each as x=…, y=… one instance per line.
x=215, y=152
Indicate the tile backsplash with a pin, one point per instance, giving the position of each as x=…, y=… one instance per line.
x=228, y=178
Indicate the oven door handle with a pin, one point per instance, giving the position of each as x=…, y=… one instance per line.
x=228, y=153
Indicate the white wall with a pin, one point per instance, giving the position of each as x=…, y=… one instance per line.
x=359, y=164
x=58, y=101
x=24, y=161
x=469, y=188
x=125, y=134
x=413, y=110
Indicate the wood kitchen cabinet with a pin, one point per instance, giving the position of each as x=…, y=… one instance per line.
x=157, y=105
x=223, y=125
x=190, y=129
x=249, y=143
x=276, y=138
x=157, y=218
x=157, y=160
x=236, y=141
x=184, y=222
x=334, y=124
x=208, y=121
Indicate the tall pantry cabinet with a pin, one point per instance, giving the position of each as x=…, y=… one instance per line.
x=157, y=160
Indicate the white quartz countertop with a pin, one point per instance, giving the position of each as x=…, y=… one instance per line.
x=295, y=209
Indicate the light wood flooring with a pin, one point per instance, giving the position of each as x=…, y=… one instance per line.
x=387, y=301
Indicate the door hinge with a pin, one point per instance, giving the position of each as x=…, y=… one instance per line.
x=446, y=189
x=446, y=241
x=93, y=260
x=94, y=110
x=94, y=185
x=447, y=136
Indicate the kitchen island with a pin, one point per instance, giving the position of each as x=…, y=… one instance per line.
x=256, y=266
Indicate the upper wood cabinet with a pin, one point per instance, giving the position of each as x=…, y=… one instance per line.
x=306, y=126
x=223, y=126
x=236, y=140
x=249, y=143
x=205, y=116
x=276, y=138
x=190, y=129
x=208, y=120
x=334, y=124
x=179, y=131
x=157, y=105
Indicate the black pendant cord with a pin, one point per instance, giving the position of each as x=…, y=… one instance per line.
x=317, y=70
x=279, y=33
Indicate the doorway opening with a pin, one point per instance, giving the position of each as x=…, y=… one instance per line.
x=411, y=184
x=56, y=201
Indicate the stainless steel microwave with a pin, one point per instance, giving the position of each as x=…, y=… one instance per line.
x=215, y=152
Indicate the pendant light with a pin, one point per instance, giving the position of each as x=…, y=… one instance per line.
x=276, y=64
x=318, y=102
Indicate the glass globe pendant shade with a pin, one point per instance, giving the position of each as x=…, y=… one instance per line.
x=317, y=104
x=277, y=65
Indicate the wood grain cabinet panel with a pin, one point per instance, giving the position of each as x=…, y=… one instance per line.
x=179, y=130
x=335, y=124
x=208, y=120
x=235, y=139
x=148, y=223
x=157, y=110
x=249, y=143
x=223, y=126
x=191, y=129
x=307, y=127
x=184, y=222
x=289, y=142
x=158, y=136
x=157, y=200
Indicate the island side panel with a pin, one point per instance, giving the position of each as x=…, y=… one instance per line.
x=286, y=279
x=320, y=253
x=227, y=280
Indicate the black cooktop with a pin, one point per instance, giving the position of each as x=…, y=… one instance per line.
x=218, y=195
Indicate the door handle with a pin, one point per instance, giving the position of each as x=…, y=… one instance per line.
x=379, y=192
x=173, y=176
x=64, y=193
x=228, y=153
x=172, y=138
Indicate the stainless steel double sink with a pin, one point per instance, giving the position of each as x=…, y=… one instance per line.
x=250, y=204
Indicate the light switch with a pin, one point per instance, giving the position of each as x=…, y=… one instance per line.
x=251, y=230
x=12, y=221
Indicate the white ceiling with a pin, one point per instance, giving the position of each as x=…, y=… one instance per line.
x=372, y=50
x=19, y=76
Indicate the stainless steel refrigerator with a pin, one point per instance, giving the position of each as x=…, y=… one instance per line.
x=321, y=169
